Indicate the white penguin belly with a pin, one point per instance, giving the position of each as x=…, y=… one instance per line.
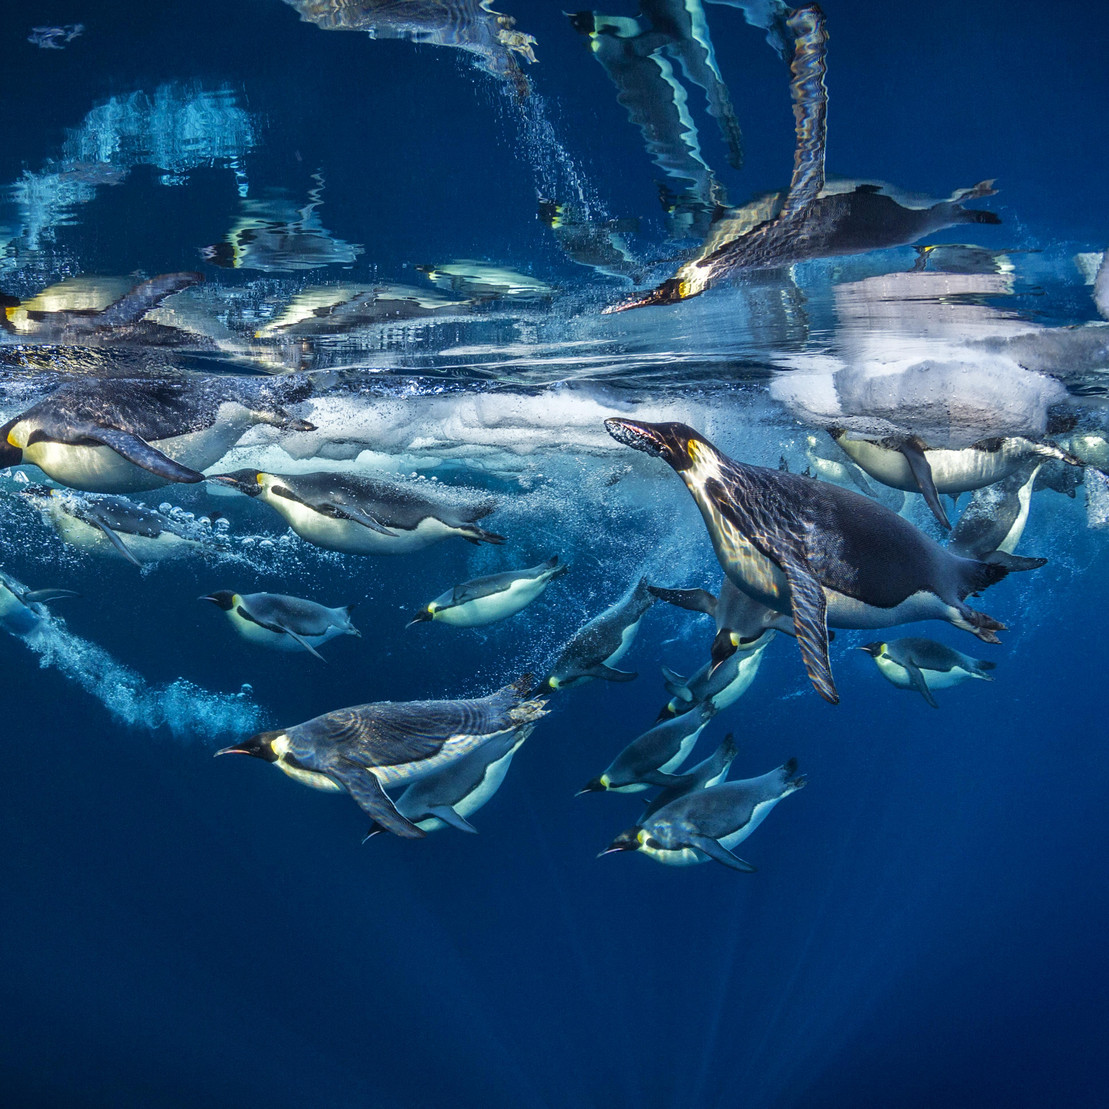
x=627, y=637
x=849, y=612
x=279, y=640
x=88, y=537
x=953, y=471
x=494, y=777
x=496, y=606
x=353, y=538
x=745, y=674
x=933, y=679
x=454, y=748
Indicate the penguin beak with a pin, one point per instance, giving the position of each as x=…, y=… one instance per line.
x=245, y=481
x=872, y=649
x=237, y=749
x=625, y=841
x=594, y=786
x=669, y=292
x=421, y=617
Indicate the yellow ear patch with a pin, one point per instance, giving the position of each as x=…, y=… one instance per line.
x=259, y=478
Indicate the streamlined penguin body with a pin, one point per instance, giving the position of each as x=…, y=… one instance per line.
x=494, y=597
x=361, y=515
x=925, y=665
x=708, y=772
x=995, y=519
x=22, y=610
x=708, y=823
x=281, y=622
x=824, y=554
x=721, y=681
x=369, y=747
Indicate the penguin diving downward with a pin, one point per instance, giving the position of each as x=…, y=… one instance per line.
x=596, y=647
x=451, y=795
x=365, y=748
x=924, y=665
x=361, y=515
x=709, y=772
x=908, y=463
x=116, y=526
x=707, y=823
x=281, y=622
x=21, y=609
x=721, y=681
x=121, y=435
x=824, y=554
x=491, y=598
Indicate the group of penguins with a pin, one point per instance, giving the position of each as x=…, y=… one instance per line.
x=799, y=555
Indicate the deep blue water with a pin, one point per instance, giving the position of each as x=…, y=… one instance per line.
x=925, y=925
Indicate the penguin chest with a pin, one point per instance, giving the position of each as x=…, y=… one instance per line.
x=16, y=617
x=621, y=638
x=749, y=569
x=494, y=606
x=91, y=467
x=736, y=678
x=339, y=534
x=898, y=675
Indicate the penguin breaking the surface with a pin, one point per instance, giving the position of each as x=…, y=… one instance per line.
x=116, y=526
x=650, y=758
x=825, y=554
x=122, y=435
x=362, y=515
x=708, y=823
x=491, y=598
x=368, y=747
x=924, y=665
x=282, y=622
x=22, y=609
x=595, y=648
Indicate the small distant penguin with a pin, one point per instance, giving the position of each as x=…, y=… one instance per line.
x=365, y=748
x=924, y=665
x=825, y=554
x=599, y=645
x=282, y=622
x=104, y=524
x=651, y=758
x=123, y=435
x=21, y=609
x=992, y=524
x=362, y=515
x=450, y=796
x=908, y=463
x=491, y=598
x=709, y=772
x=721, y=681
x=708, y=823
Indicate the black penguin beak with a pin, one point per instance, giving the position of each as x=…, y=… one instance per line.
x=872, y=649
x=625, y=841
x=237, y=749
x=245, y=481
x=669, y=292
x=723, y=647
x=593, y=786
x=421, y=617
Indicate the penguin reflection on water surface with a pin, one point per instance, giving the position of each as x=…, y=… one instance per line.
x=368, y=747
x=823, y=553
x=924, y=665
x=282, y=622
x=707, y=823
x=490, y=598
x=361, y=515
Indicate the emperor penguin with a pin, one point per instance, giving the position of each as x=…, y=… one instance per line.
x=924, y=665
x=722, y=680
x=123, y=435
x=992, y=524
x=708, y=772
x=367, y=748
x=490, y=598
x=282, y=622
x=708, y=823
x=825, y=555
x=362, y=515
x=22, y=610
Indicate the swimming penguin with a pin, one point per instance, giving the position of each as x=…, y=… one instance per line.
x=362, y=515
x=650, y=759
x=282, y=622
x=368, y=747
x=116, y=526
x=992, y=524
x=121, y=435
x=708, y=772
x=825, y=554
x=708, y=823
x=596, y=647
x=22, y=609
x=450, y=796
x=908, y=463
x=482, y=281
x=924, y=665
x=491, y=598
x=815, y=218
x=722, y=680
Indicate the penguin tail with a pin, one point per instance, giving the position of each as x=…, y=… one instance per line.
x=981, y=575
x=982, y=667
x=1014, y=563
x=791, y=779
x=478, y=535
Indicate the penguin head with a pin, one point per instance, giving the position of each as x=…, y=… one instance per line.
x=669, y=292
x=245, y=481
x=724, y=646
x=594, y=785
x=631, y=840
x=260, y=746
x=676, y=444
x=222, y=597
x=11, y=451
x=423, y=616
x=875, y=650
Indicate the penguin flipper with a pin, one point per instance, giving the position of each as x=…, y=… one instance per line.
x=721, y=854
x=675, y=684
x=695, y=600
x=45, y=596
x=610, y=674
x=117, y=543
x=810, y=608
x=918, y=682
x=304, y=643
x=140, y=453
x=921, y=470
x=357, y=516
x=661, y=778
x=366, y=790
x=449, y=816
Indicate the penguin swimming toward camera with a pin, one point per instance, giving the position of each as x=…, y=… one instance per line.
x=22, y=610
x=362, y=515
x=708, y=823
x=490, y=598
x=365, y=748
x=824, y=554
x=595, y=648
x=722, y=680
x=924, y=665
x=122, y=435
x=281, y=622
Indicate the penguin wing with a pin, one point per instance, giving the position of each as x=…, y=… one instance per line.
x=918, y=682
x=366, y=790
x=695, y=600
x=44, y=596
x=116, y=541
x=339, y=510
x=811, y=625
x=449, y=816
x=721, y=854
x=921, y=470
x=810, y=108
x=140, y=453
